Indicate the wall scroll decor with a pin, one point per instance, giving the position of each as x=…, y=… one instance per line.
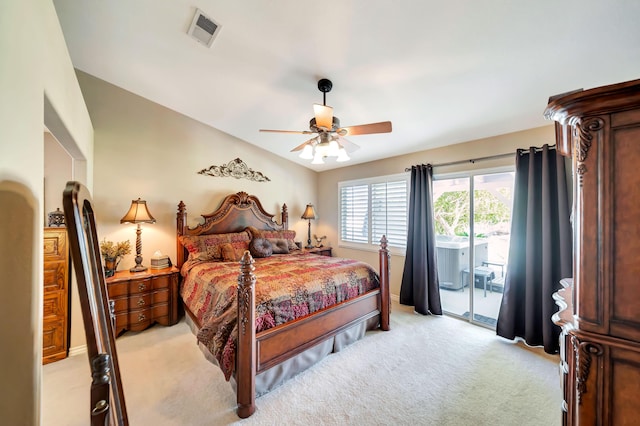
x=237, y=169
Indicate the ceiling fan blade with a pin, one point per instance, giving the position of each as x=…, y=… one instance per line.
x=366, y=129
x=297, y=132
x=348, y=145
x=302, y=145
x=324, y=116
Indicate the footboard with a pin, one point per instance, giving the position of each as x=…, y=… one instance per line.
x=256, y=353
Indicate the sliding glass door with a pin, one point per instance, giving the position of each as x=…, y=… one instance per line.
x=473, y=211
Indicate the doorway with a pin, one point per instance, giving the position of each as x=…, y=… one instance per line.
x=473, y=210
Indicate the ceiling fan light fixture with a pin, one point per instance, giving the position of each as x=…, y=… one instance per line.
x=323, y=149
x=334, y=149
x=307, y=152
x=342, y=155
x=317, y=159
x=328, y=141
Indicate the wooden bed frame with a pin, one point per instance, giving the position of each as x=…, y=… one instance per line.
x=256, y=352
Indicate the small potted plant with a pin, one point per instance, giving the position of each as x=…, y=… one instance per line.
x=112, y=254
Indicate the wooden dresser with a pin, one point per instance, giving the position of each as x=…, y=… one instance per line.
x=55, y=310
x=144, y=298
x=600, y=308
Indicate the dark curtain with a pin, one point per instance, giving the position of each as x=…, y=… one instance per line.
x=540, y=253
x=420, y=277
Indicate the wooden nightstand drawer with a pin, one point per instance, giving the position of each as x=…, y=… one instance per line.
x=161, y=282
x=148, y=299
x=143, y=298
x=321, y=251
x=140, y=286
x=142, y=318
x=118, y=289
x=120, y=304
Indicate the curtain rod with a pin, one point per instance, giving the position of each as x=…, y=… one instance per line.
x=519, y=151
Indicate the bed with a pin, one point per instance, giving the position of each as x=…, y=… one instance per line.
x=260, y=340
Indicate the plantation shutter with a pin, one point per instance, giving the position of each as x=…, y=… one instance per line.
x=354, y=206
x=389, y=212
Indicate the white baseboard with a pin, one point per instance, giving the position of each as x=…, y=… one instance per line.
x=395, y=298
x=78, y=350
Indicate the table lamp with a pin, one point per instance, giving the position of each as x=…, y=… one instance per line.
x=309, y=214
x=138, y=213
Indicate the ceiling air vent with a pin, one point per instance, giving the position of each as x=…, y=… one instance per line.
x=203, y=28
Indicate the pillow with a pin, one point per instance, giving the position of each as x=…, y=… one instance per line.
x=279, y=245
x=288, y=235
x=254, y=232
x=208, y=247
x=228, y=253
x=260, y=247
x=192, y=244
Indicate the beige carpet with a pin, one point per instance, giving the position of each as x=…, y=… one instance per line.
x=426, y=371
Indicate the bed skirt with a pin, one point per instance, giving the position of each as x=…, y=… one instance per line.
x=280, y=373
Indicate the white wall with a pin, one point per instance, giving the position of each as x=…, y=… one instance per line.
x=328, y=181
x=38, y=87
x=58, y=170
x=145, y=150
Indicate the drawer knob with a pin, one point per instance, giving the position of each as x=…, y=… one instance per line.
x=141, y=317
x=141, y=302
x=142, y=286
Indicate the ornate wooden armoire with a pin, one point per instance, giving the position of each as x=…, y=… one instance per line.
x=600, y=307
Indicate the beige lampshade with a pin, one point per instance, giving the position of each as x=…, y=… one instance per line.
x=138, y=213
x=309, y=213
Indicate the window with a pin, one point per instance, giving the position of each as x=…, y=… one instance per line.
x=371, y=208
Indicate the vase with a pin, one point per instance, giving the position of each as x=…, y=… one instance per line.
x=110, y=266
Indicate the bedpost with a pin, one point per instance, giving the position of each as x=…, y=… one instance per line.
x=181, y=224
x=385, y=299
x=246, y=351
x=285, y=217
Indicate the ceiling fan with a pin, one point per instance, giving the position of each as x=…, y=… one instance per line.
x=328, y=140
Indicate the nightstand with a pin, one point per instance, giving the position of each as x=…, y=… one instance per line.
x=144, y=298
x=322, y=251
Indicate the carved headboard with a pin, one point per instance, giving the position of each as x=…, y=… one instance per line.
x=236, y=212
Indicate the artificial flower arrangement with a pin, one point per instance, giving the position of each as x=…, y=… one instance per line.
x=112, y=254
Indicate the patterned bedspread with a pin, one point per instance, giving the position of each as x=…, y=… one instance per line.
x=288, y=286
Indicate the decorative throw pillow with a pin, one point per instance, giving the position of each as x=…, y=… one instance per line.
x=254, y=232
x=192, y=244
x=280, y=245
x=228, y=253
x=289, y=235
x=260, y=247
x=211, y=252
x=208, y=247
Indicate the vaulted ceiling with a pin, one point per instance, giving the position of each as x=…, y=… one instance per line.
x=442, y=72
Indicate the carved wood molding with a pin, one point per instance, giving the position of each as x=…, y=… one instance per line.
x=246, y=284
x=583, y=135
x=182, y=211
x=235, y=168
x=584, y=352
x=244, y=201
